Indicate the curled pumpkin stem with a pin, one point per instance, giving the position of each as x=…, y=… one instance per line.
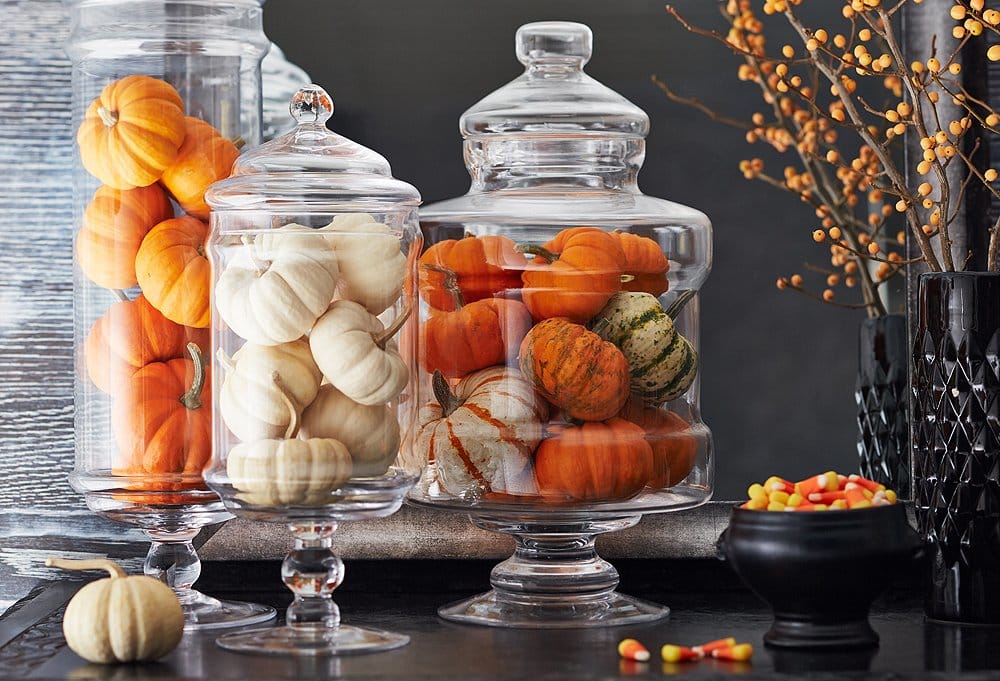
x=292, y=431
x=682, y=299
x=382, y=339
x=192, y=398
x=113, y=569
x=445, y=397
x=537, y=251
x=450, y=283
x=255, y=260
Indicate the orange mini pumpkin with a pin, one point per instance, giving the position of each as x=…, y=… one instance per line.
x=132, y=132
x=574, y=275
x=674, y=445
x=205, y=157
x=594, y=461
x=130, y=335
x=114, y=225
x=162, y=417
x=575, y=370
x=483, y=265
x=485, y=333
x=173, y=271
x=645, y=265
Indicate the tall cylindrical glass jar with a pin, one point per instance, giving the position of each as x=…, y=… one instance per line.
x=165, y=93
x=558, y=365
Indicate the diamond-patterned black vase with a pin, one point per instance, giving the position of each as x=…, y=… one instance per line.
x=955, y=390
x=882, y=398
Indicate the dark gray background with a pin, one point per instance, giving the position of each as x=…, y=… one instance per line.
x=778, y=369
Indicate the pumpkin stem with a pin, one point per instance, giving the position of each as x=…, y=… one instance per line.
x=538, y=251
x=121, y=295
x=292, y=431
x=114, y=570
x=108, y=117
x=445, y=397
x=225, y=360
x=601, y=326
x=239, y=142
x=258, y=264
x=679, y=302
x=626, y=278
x=450, y=283
x=382, y=339
x=192, y=398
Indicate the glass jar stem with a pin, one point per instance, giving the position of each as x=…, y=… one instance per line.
x=173, y=560
x=312, y=571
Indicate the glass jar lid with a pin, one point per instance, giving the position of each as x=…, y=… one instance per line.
x=554, y=97
x=311, y=169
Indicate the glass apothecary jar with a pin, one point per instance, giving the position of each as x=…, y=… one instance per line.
x=162, y=103
x=558, y=364
x=313, y=248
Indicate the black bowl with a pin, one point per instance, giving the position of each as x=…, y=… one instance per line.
x=820, y=571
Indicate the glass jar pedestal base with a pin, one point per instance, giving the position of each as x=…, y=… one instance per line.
x=172, y=559
x=312, y=571
x=554, y=580
x=172, y=521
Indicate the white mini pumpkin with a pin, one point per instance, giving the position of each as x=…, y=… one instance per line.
x=120, y=618
x=357, y=354
x=288, y=472
x=482, y=436
x=249, y=401
x=372, y=267
x=277, y=285
x=370, y=432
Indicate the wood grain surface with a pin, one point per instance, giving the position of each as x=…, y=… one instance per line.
x=36, y=286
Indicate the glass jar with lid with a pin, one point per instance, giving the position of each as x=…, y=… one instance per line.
x=558, y=360
x=165, y=93
x=313, y=248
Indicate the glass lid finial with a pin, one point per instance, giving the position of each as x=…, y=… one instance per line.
x=311, y=104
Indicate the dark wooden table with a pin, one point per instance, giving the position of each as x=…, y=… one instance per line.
x=706, y=599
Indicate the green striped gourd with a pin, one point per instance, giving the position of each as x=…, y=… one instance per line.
x=662, y=363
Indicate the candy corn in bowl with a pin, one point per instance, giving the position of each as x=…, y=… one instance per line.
x=819, y=551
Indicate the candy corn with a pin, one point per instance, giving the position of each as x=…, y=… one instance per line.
x=736, y=653
x=708, y=648
x=826, y=491
x=630, y=649
x=672, y=653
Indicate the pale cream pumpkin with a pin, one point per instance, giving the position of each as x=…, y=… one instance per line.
x=357, y=354
x=276, y=287
x=289, y=472
x=370, y=432
x=251, y=405
x=120, y=618
x=481, y=437
x=372, y=267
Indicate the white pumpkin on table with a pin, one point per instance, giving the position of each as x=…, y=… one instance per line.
x=120, y=618
x=277, y=285
x=251, y=404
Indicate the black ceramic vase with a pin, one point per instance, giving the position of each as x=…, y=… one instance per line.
x=882, y=401
x=955, y=393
